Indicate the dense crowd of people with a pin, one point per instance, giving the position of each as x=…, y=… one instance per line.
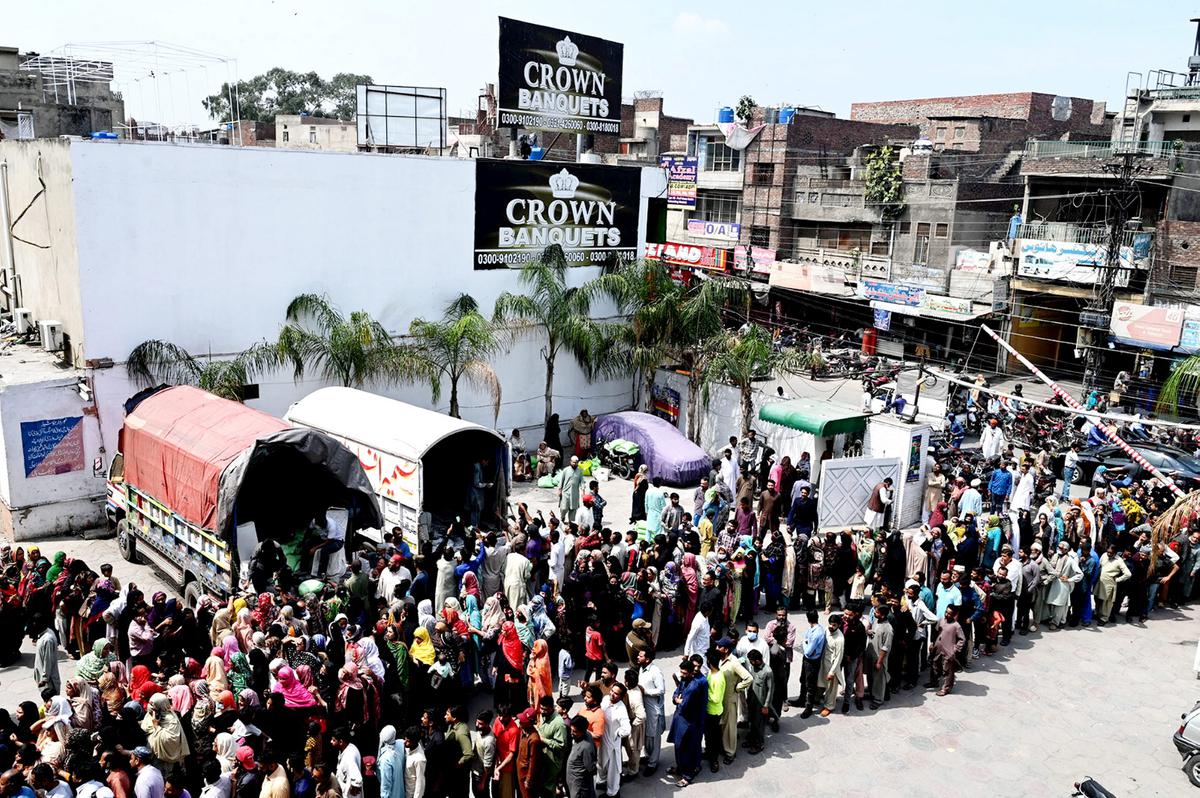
x=523, y=661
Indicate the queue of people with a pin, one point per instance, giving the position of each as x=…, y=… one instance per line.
x=524, y=660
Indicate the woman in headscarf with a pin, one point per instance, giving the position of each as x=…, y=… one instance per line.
x=470, y=586
x=164, y=735
x=56, y=568
x=399, y=656
x=243, y=627
x=222, y=625
x=368, y=658
x=182, y=699
x=84, y=704
x=689, y=574
x=214, y=672
x=229, y=647
x=510, y=668
x=539, y=619
x=112, y=694
x=295, y=695
x=264, y=612
x=202, y=712
x=53, y=730
x=938, y=516
x=641, y=485
x=350, y=705
x=94, y=663
x=27, y=715
x=141, y=686
x=425, y=616
x=239, y=673
x=421, y=650
x=541, y=682
x=225, y=748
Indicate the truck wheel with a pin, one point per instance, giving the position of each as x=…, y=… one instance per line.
x=192, y=593
x=126, y=543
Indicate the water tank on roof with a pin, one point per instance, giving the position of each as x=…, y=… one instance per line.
x=725, y=114
x=785, y=115
x=770, y=115
x=922, y=145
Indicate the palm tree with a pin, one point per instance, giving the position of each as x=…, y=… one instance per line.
x=155, y=362
x=352, y=351
x=699, y=323
x=458, y=346
x=1181, y=390
x=646, y=294
x=563, y=313
x=740, y=358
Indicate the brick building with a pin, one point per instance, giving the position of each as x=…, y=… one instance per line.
x=32, y=103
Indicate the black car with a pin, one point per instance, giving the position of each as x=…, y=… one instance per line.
x=1175, y=462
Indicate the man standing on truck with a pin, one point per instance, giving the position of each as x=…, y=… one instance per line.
x=330, y=541
x=475, y=498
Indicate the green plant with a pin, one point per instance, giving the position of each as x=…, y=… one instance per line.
x=745, y=109
x=884, y=184
x=458, y=346
x=645, y=293
x=700, y=322
x=155, y=362
x=563, y=313
x=352, y=351
x=1180, y=392
x=738, y=359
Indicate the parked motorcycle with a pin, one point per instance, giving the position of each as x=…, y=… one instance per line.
x=1090, y=788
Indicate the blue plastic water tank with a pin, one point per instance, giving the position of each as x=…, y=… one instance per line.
x=536, y=153
x=725, y=114
x=103, y=135
x=785, y=115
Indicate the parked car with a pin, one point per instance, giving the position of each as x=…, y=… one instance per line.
x=1187, y=743
x=1181, y=466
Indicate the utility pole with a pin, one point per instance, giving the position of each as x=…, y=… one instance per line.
x=1095, y=318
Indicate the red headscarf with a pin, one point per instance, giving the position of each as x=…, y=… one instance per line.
x=294, y=693
x=455, y=623
x=510, y=644
x=470, y=586
x=140, y=686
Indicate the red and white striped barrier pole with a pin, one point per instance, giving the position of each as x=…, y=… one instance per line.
x=1109, y=430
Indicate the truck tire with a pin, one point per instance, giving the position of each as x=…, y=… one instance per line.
x=126, y=543
x=192, y=593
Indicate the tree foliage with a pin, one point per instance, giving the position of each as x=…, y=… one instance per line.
x=282, y=91
x=745, y=109
x=352, y=351
x=155, y=362
x=563, y=313
x=885, y=186
x=740, y=358
x=459, y=346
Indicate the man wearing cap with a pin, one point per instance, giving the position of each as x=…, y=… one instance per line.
x=971, y=501
x=389, y=577
x=529, y=753
x=948, y=642
x=617, y=728
x=1041, y=582
x=831, y=663
x=737, y=681
x=875, y=516
x=1064, y=575
x=148, y=783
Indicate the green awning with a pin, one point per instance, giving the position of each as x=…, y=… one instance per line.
x=808, y=415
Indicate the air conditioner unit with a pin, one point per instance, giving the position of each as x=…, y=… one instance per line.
x=23, y=319
x=52, y=335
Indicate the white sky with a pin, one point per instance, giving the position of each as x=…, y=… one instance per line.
x=701, y=54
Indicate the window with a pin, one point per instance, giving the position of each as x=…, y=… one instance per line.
x=716, y=156
x=879, y=248
x=941, y=230
x=719, y=206
x=960, y=132
x=763, y=174
x=312, y=136
x=941, y=134
x=921, y=250
x=1187, y=117
x=285, y=137
x=760, y=236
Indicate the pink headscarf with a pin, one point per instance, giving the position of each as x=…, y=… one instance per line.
x=229, y=647
x=294, y=693
x=181, y=697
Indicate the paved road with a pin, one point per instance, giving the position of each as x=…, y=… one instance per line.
x=1052, y=708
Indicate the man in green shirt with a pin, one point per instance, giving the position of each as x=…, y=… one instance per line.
x=553, y=732
x=713, y=744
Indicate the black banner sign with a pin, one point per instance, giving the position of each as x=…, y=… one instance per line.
x=522, y=207
x=553, y=79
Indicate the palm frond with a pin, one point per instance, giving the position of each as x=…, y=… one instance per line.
x=154, y=362
x=315, y=307
x=482, y=377
x=1182, y=388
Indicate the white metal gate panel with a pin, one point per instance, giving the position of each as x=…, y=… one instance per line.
x=846, y=483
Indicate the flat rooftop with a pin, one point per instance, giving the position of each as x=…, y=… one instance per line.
x=26, y=364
